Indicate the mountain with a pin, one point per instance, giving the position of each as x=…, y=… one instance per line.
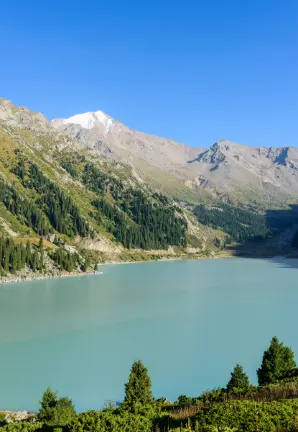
x=266, y=177
x=88, y=189
x=86, y=207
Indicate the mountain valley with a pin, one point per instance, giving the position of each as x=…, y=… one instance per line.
x=96, y=191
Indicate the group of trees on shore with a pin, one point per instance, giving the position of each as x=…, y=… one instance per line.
x=15, y=257
x=241, y=410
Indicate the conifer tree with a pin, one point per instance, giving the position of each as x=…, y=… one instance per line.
x=41, y=255
x=54, y=411
x=138, y=387
x=239, y=380
x=86, y=263
x=35, y=261
x=278, y=361
x=28, y=252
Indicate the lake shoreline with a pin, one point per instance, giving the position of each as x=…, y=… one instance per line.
x=38, y=277
x=18, y=279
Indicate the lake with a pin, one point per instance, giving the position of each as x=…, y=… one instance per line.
x=190, y=322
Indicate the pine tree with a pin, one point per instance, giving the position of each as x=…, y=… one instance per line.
x=278, y=361
x=239, y=380
x=35, y=262
x=86, y=264
x=41, y=255
x=138, y=387
x=48, y=402
x=1, y=250
x=28, y=252
x=54, y=411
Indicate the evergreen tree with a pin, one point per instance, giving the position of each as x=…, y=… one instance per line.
x=28, y=251
x=278, y=361
x=86, y=263
x=54, y=411
x=41, y=255
x=47, y=404
x=35, y=261
x=138, y=387
x=239, y=380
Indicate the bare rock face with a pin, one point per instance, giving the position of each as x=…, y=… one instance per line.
x=16, y=416
x=22, y=117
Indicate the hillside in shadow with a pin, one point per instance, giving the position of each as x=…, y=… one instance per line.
x=283, y=225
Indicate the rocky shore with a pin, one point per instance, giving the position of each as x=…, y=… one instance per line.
x=15, y=416
x=36, y=277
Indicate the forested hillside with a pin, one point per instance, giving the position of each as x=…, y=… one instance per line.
x=98, y=209
x=91, y=208
x=241, y=224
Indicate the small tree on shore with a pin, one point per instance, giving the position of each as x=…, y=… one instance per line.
x=138, y=387
x=239, y=380
x=278, y=361
x=54, y=411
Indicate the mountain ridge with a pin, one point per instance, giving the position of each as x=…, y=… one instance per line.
x=231, y=169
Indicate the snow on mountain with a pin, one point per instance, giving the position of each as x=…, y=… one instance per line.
x=89, y=120
x=258, y=174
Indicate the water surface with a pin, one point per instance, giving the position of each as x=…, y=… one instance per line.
x=189, y=321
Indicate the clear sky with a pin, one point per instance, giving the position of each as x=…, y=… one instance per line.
x=192, y=70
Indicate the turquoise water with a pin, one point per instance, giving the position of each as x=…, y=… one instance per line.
x=189, y=321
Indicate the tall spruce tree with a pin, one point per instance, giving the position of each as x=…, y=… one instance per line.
x=138, y=387
x=41, y=255
x=239, y=380
x=278, y=361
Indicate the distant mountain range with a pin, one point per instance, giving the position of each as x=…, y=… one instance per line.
x=267, y=177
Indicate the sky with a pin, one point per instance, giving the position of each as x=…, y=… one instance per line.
x=196, y=71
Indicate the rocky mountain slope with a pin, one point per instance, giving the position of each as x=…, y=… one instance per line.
x=87, y=207
x=96, y=191
x=266, y=177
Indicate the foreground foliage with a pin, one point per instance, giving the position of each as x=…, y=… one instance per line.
x=239, y=407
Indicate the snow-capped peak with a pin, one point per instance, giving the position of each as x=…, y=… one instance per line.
x=88, y=120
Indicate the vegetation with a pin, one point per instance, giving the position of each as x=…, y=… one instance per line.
x=278, y=362
x=54, y=411
x=135, y=220
x=15, y=257
x=241, y=224
x=238, y=408
x=64, y=216
x=24, y=209
x=138, y=388
x=238, y=381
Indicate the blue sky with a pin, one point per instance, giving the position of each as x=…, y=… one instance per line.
x=195, y=71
